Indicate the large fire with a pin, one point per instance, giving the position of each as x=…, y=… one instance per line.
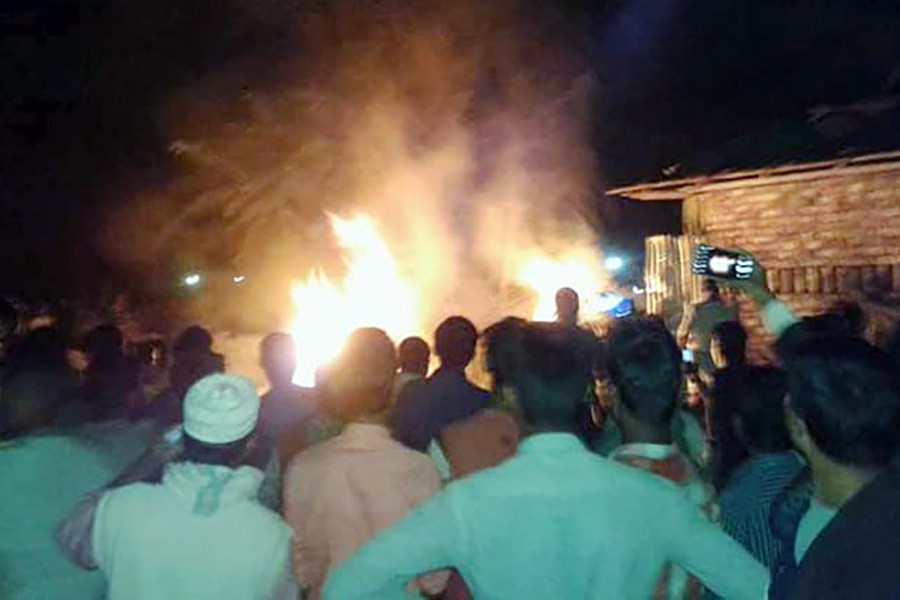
x=372, y=294
x=579, y=270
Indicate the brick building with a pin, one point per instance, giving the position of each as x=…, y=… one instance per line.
x=825, y=231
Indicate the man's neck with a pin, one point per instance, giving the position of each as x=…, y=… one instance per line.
x=637, y=432
x=461, y=371
x=379, y=419
x=835, y=484
x=282, y=385
x=542, y=429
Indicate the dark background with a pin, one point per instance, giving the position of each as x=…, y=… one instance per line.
x=81, y=84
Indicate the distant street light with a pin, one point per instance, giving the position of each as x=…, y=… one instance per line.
x=614, y=263
x=192, y=279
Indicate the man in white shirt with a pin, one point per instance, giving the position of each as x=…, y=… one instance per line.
x=339, y=494
x=201, y=532
x=555, y=520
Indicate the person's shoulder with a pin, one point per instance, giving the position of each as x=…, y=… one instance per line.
x=479, y=393
x=137, y=498
x=312, y=458
x=412, y=460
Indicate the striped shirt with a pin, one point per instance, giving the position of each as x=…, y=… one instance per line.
x=747, y=500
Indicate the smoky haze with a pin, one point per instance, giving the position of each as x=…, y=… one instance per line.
x=461, y=126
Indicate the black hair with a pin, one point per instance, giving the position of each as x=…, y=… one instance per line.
x=105, y=343
x=644, y=363
x=732, y=338
x=42, y=348
x=277, y=355
x=359, y=382
x=193, y=339
x=754, y=397
x=711, y=287
x=414, y=355
x=851, y=317
x=231, y=454
x=846, y=392
x=552, y=376
x=567, y=302
x=455, y=341
x=503, y=341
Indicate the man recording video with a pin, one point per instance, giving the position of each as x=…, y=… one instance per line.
x=698, y=323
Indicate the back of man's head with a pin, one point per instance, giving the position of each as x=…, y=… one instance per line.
x=104, y=342
x=278, y=356
x=503, y=341
x=751, y=399
x=220, y=415
x=568, y=305
x=359, y=382
x=193, y=340
x=414, y=355
x=845, y=391
x=731, y=338
x=644, y=363
x=551, y=377
x=711, y=289
x=455, y=341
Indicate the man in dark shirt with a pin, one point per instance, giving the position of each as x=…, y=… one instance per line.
x=424, y=408
x=286, y=408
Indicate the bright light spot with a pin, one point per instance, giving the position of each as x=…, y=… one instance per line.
x=372, y=294
x=192, y=280
x=614, y=263
x=637, y=290
x=239, y=279
x=721, y=265
x=546, y=275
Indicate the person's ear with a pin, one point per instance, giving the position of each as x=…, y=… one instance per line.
x=611, y=401
x=797, y=429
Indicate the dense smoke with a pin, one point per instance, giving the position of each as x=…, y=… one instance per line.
x=459, y=125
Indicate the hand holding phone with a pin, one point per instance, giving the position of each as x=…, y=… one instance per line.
x=733, y=268
x=710, y=261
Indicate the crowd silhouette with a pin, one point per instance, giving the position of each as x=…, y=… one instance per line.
x=595, y=466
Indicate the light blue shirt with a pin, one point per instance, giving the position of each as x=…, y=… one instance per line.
x=42, y=476
x=554, y=521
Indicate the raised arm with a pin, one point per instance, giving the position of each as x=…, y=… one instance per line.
x=777, y=317
x=709, y=554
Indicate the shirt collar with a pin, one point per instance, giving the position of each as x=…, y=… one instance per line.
x=551, y=443
x=448, y=372
x=366, y=433
x=765, y=462
x=650, y=451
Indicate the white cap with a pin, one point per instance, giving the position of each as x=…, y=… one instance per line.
x=220, y=409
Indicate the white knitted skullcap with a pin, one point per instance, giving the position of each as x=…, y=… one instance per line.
x=220, y=409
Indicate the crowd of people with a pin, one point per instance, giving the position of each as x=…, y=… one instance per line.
x=588, y=470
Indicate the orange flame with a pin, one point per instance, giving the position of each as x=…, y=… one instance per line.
x=372, y=294
x=545, y=275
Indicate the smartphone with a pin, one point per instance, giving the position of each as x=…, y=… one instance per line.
x=710, y=261
x=687, y=355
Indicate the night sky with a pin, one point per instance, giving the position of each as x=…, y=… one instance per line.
x=82, y=83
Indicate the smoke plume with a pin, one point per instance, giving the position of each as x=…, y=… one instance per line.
x=461, y=126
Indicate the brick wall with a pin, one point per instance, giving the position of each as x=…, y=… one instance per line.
x=820, y=240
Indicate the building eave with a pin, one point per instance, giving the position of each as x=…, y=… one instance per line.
x=678, y=189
